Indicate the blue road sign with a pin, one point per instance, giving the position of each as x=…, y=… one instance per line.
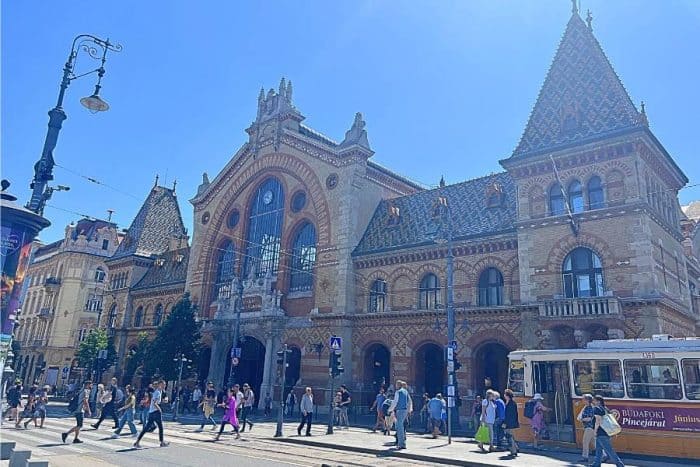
x=235, y=352
x=453, y=344
x=336, y=343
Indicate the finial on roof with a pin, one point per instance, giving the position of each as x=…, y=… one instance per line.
x=643, y=115
x=283, y=87
x=109, y=214
x=589, y=20
x=442, y=181
x=356, y=134
x=155, y=184
x=174, y=184
x=574, y=7
x=205, y=183
x=289, y=91
x=261, y=95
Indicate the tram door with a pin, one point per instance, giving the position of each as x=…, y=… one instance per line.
x=553, y=382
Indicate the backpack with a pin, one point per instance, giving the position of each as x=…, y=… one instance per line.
x=529, y=410
x=73, y=403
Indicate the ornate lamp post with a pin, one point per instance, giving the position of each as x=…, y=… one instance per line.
x=236, y=330
x=182, y=359
x=43, y=170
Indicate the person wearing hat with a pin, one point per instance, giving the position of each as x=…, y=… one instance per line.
x=539, y=427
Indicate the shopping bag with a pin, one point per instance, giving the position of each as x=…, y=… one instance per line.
x=609, y=424
x=482, y=435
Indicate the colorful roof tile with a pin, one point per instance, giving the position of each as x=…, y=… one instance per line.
x=169, y=268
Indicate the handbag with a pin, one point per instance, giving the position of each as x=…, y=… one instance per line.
x=609, y=424
x=482, y=435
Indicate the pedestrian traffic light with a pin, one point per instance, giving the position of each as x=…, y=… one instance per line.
x=336, y=363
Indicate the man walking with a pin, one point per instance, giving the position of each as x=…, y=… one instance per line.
x=82, y=405
x=248, y=402
x=377, y=405
x=155, y=416
x=345, y=401
x=110, y=408
x=14, y=399
x=196, y=397
x=402, y=406
x=307, y=409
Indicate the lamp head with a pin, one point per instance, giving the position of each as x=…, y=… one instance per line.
x=94, y=103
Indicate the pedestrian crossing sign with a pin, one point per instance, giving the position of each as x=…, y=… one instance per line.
x=336, y=343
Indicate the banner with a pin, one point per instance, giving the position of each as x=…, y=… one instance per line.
x=14, y=255
x=657, y=418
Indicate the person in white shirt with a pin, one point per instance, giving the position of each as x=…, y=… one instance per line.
x=307, y=410
x=248, y=403
x=196, y=397
x=155, y=416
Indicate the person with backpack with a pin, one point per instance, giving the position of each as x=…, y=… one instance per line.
x=388, y=415
x=537, y=422
x=602, y=438
x=78, y=405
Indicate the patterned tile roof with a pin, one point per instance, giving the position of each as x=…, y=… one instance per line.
x=582, y=98
x=89, y=228
x=471, y=215
x=169, y=268
x=156, y=223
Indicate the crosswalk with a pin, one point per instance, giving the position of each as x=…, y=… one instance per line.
x=46, y=442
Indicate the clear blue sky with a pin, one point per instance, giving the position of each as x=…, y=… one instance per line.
x=445, y=87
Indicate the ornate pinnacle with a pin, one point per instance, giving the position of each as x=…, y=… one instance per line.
x=589, y=20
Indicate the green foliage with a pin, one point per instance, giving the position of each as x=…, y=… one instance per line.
x=89, y=349
x=136, y=358
x=178, y=335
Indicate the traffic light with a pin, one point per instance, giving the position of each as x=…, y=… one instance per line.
x=457, y=364
x=336, y=363
x=280, y=357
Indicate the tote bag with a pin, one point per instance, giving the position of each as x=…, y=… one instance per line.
x=609, y=424
x=482, y=435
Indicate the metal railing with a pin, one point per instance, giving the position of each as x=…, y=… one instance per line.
x=588, y=306
x=45, y=312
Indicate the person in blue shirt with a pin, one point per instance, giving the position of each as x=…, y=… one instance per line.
x=500, y=417
x=377, y=405
x=435, y=407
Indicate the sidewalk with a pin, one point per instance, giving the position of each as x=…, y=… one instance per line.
x=462, y=451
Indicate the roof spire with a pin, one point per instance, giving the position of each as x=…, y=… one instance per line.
x=174, y=184
x=156, y=182
x=574, y=7
x=589, y=20
x=442, y=181
x=643, y=115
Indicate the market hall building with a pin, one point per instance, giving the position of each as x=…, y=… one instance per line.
x=579, y=238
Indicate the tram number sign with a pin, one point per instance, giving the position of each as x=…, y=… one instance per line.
x=648, y=355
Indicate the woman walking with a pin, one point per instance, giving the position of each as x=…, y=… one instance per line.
x=602, y=438
x=587, y=418
x=539, y=427
x=208, y=405
x=511, y=423
x=488, y=417
x=129, y=408
x=230, y=415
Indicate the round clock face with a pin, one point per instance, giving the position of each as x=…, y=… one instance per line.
x=267, y=197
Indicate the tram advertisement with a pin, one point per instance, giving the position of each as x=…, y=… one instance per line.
x=657, y=418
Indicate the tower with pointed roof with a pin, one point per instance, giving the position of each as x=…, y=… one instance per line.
x=592, y=178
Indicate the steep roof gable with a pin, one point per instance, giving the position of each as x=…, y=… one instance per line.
x=582, y=98
x=156, y=223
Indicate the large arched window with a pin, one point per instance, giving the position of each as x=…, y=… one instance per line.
x=158, y=315
x=556, y=201
x=596, y=198
x=377, y=296
x=224, y=270
x=112, y=317
x=265, y=229
x=138, y=317
x=575, y=196
x=583, y=274
x=490, y=287
x=303, y=259
x=429, y=292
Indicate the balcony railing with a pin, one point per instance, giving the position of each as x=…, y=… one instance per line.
x=37, y=342
x=52, y=282
x=45, y=312
x=571, y=307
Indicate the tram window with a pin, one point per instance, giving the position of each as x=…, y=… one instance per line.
x=653, y=379
x=516, y=377
x=598, y=377
x=691, y=378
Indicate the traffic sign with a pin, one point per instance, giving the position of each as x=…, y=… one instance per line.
x=235, y=352
x=450, y=354
x=450, y=365
x=234, y=361
x=336, y=343
x=453, y=345
x=450, y=390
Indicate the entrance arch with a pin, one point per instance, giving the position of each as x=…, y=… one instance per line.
x=203, y=365
x=430, y=369
x=377, y=368
x=292, y=374
x=491, y=362
x=251, y=365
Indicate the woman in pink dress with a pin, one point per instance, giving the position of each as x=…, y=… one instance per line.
x=537, y=422
x=230, y=415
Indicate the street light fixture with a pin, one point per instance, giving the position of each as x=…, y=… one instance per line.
x=182, y=359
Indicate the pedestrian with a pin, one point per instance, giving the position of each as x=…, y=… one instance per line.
x=129, y=408
x=208, y=405
x=424, y=415
x=79, y=405
x=14, y=399
x=28, y=411
x=602, y=438
x=500, y=417
x=345, y=401
x=229, y=417
x=476, y=412
x=99, y=396
x=268, y=405
x=40, y=401
x=291, y=402
x=155, y=416
x=144, y=403
x=377, y=406
x=510, y=421
x=488, y=417
x=336, y=408
x=196, y=398
x=388, y=415
x=110, y=399
x=248, y=402
x=434, y=409
x=587, y=417
x=402, y=405
x=539, y=427
x=306, y=407
x=94, y=399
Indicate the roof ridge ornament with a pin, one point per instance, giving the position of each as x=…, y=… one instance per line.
x=356, y=134
x=589, y=20
x=574, y=7
x=643, y=115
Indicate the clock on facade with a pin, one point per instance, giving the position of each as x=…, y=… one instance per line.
x=267, y=197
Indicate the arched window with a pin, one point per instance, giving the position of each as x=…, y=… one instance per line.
x=490, y=287
x=556, y=201
x=596, y=199
x=377, y=296
x=138, y=317
x=575, y=196
x=583, y=274
x=303, y=259
x=429, y=292
x=158, y=315
x=99, y=275
x=224, y=270
x=265, y=229
x=112, y=317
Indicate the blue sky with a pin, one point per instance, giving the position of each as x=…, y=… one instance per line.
x=445, y=86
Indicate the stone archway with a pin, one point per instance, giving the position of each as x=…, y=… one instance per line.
x=430, y=375
x=203, y=365
x=251, y=365
x=377, y=368
x=490, y=367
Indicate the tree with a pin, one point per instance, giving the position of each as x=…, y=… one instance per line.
x=89, y=350
x=136, y=358
x=178, y=335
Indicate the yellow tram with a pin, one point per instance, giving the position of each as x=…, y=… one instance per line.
x=652, y=386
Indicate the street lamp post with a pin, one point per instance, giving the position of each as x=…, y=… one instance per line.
x=236, y=330
x=43, y=170
x=282, y=361
x=182, y=359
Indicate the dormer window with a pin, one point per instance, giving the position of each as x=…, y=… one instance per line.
x=394, y=215
x=105, y=244
x=160, y=262
x=494, y=195
x=179, y=258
